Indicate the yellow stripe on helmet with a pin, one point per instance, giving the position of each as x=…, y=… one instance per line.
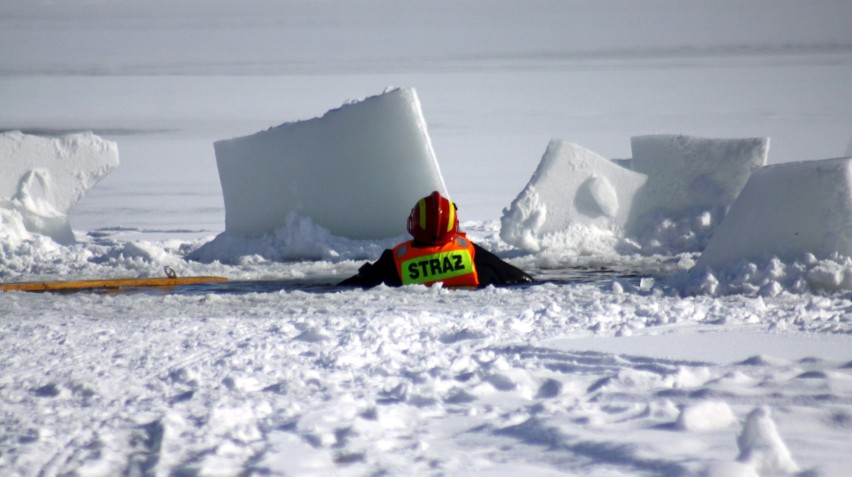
x=452, y=217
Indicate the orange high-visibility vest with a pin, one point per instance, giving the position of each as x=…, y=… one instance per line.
x=450, y=263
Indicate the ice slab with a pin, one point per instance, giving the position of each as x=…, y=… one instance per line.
x=571, y=185
x=692, y=182
x=787, y=210
x=356, y=171
x=687, y=172
x=44, y=176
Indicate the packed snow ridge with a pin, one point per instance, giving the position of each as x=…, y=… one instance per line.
x=44, y=177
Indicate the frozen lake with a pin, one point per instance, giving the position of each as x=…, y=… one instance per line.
x=489, y=129
x=594, y=372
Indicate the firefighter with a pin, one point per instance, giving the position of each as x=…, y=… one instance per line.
x=437, y=252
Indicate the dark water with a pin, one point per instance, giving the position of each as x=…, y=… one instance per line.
x=579, y=275
x=328, y=284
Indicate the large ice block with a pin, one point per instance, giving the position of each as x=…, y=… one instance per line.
x=788, y=210
x=356, y=171
x=42, y=177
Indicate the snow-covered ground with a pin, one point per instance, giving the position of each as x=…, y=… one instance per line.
x=612, y=365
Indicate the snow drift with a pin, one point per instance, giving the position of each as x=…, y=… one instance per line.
x=44, y=177
x=761, y=445
x=667, y=199
x=355, y=171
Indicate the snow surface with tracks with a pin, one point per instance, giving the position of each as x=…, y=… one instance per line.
x=595, y=373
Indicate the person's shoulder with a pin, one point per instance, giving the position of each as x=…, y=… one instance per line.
x=493, y=270
x=382, y=270
x=480, y=250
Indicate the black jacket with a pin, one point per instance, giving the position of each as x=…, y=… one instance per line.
x=489, y=267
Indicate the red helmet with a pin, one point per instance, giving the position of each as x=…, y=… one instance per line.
x=433, y=220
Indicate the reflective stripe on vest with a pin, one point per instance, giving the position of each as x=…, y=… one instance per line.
x=451, y=264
